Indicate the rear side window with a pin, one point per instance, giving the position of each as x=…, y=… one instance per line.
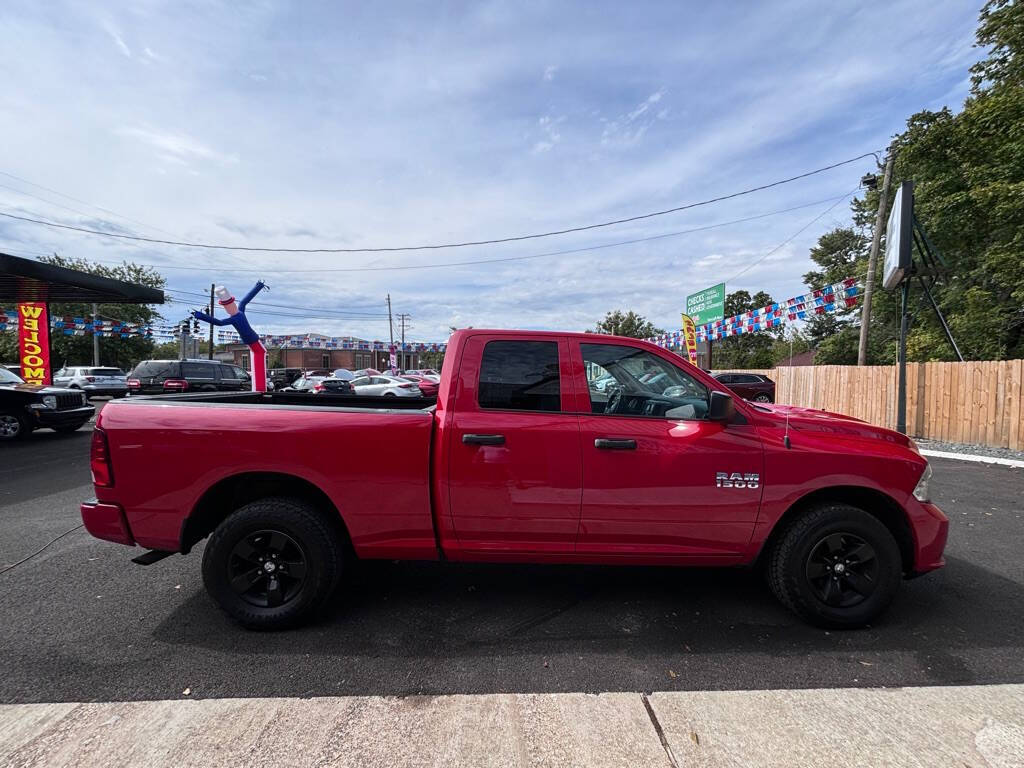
x=197, y=371
x=520, y=376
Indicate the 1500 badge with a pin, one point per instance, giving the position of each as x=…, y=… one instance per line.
x=737, y=480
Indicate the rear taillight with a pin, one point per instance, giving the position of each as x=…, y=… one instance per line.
x=406, y=386
x=318, y=387
x=99, y=460
x=90, y=378
x=179, y=385
x=134, y=384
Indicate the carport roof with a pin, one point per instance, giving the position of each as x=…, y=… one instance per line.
x=27, y=280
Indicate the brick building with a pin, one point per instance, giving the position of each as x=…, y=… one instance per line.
x=317, y=357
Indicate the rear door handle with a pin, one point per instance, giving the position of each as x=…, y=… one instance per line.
x=611, y=444
x=471, y=439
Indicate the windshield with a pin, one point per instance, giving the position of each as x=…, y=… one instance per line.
x=8, y=377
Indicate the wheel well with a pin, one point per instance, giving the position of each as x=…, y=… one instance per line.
x=227, y=495
x=877, y=504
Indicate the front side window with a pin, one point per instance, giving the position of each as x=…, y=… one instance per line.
x=627, y=381
x=520, y=376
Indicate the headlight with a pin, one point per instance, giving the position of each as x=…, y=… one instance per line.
x=921, y=491
x=84, y=399
x=49, y=401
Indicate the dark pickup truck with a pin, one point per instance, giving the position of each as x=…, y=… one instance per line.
x=25, y=407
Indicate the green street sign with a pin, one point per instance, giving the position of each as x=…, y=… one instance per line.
x=707, y=305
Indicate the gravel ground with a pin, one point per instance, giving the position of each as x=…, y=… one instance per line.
x=979, y=450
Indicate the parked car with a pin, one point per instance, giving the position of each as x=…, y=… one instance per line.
x=521, y=462
x=320, y=384
x=366, y=372
x=26, y=407
x=383, y=385
x=424, y=372
x=93, y=381
x=283, y=377
x=428, y=388
x=749, y=386
x=155, y=377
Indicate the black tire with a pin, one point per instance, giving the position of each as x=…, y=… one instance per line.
x=65, y=429
x=815, y=570
x=13, y=426
x=241, y=547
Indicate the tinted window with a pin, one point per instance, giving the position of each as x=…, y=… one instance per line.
x=105, y=372
x=726, y=378
x=628, y=381
x=227, y=372
x=244, y=376
x=520, y=376
x=156, y=368
x=745, y=378
x=198, y=371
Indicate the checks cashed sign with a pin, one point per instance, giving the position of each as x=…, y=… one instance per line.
x=708, y=305
x=34, y=342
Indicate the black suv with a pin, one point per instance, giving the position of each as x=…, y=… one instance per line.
x=24, y=407
x=159, y=377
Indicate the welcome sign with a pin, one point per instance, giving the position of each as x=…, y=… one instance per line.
x=34, y=342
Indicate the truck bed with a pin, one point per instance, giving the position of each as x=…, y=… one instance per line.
x=176, y=455
x=292, y=399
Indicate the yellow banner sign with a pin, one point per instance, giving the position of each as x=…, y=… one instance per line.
x=690, y=335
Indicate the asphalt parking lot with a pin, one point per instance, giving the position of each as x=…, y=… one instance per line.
x=80, y=622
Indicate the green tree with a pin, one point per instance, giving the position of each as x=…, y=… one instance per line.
x=748, y=350
x=114, y=351
x=619, y=323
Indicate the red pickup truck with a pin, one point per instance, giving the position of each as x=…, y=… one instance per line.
x=541, y=447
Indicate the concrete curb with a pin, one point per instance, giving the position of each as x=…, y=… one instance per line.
x=947, y=726
x=973, y=457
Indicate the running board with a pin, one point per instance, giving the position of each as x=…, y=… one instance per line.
x=153, y=556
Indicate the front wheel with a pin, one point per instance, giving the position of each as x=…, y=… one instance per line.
x=13, y=426
x=835, y=566
x=271, y=563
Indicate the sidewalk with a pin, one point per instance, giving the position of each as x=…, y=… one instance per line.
x=953, y=726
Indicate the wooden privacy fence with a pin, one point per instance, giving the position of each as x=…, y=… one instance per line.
x=971, y=402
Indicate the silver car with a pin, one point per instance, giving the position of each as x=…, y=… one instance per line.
x=93, y=381
x=385, y=386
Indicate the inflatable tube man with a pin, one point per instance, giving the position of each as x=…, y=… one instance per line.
x=237, y=319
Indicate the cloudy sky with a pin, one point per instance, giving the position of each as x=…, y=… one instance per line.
x=359, y=125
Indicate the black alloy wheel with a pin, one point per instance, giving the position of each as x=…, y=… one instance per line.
x=267, y=568
x=842, y=570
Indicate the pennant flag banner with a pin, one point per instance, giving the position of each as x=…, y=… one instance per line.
x=831, y=298
x=79, y=326
x=315, y=341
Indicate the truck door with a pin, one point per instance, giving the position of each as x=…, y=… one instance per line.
x=514, y=448
x=658, y=477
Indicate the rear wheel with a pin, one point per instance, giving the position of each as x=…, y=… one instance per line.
x=13, y=426
x=762, y=398
x=271, y=563
x=835, y=566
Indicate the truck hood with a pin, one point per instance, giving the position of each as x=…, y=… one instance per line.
x=815, y=420
x=37, y=389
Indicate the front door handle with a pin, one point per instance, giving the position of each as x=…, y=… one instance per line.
x=611, y=444
x=471, y=439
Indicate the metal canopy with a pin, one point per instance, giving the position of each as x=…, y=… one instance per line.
x=27, y=280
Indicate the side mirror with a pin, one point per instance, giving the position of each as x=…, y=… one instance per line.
x=721, y=407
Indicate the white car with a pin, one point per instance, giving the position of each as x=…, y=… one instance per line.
x=93, y=381
x=385, y=386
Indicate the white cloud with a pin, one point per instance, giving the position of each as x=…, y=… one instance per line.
x=549, y=72
x=176, y=148
x=118, y=40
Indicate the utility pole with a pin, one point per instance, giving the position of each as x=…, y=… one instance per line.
x=95, y=336
x=404, y=318
x=183, y=340
x=391, y=331
x=210, y=352
x=876, y=239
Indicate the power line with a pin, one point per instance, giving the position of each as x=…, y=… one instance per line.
x=792, y=237
x=345, y=311
x=78, y=200
x=437, y=246
x=470, y=262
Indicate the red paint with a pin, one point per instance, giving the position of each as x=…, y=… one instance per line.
x=106, y=521
x=34, y=342
x=405, y=483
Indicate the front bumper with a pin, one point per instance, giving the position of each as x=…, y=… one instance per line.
x=931, y=529
x=106, y=521
x=48, y=417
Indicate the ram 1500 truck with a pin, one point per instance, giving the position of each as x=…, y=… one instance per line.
x=541, y=447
